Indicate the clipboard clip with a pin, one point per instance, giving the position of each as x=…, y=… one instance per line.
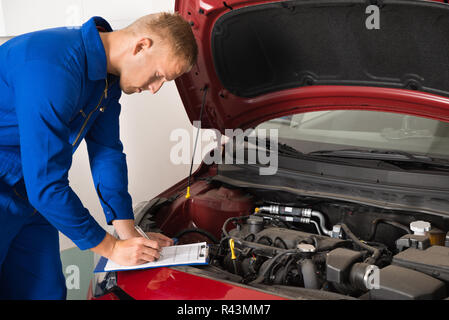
x=204, y=251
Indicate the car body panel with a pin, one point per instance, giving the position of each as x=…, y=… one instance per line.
x=224, y=110
x=169, y=284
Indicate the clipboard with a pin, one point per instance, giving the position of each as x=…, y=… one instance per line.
x=188, y=254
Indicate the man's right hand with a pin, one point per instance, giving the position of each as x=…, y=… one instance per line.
x=128, y=252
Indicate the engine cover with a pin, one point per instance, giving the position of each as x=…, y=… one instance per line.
x=433, y=261
x=397, y=283
x=282, y=237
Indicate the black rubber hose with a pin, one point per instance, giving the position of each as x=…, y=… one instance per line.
x=319, y=248
x=200, y=231
x=223, y=229
x=309, y=274
x=270, y=264
x=376, y=222
x=375, y=252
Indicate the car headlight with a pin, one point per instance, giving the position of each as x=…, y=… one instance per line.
x=103, y=283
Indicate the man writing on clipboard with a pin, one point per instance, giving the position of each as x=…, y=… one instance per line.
x=58, y=87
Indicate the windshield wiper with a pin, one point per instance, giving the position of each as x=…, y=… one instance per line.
x=282, y=148
x=383, y=155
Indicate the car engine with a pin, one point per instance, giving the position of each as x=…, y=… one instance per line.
x=262, y=250
x=331, y=247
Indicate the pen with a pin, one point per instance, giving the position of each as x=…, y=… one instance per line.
x=143, y=234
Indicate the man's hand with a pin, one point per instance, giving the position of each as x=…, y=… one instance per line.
x=132, y=248
x=125, y=229
x=135, y=251
x=128, y=252
x=161, y=239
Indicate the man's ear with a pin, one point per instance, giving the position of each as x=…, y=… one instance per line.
x=144, y=43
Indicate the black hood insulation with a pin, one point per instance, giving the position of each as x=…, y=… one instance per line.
x=270, y=47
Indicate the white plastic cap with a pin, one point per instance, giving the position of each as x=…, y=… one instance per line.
x=419, y=228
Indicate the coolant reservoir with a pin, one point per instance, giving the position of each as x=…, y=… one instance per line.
x=424, y=228
x=419, y=239
x=420, y=228
x=211, y=209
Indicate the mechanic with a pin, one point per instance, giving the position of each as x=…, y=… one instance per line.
x=58, y=87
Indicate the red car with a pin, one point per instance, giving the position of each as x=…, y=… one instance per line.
x=356, y=100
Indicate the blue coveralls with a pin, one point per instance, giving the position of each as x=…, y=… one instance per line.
x=54, y=92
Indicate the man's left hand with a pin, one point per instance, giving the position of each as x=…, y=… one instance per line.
x=163, y=240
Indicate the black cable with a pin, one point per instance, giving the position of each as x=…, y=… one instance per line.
x=270, y=264
x=223, y=229
x=200, y=231
x=318, y=248
x=375, y=252
x=376, y=222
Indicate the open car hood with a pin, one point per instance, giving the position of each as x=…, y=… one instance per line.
x=261, y=59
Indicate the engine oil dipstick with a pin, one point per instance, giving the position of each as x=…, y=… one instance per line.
x=233, y=256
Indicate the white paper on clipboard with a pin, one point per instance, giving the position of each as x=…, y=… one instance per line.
x=187, y=254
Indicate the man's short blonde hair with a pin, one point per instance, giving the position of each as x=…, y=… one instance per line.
x=172, y=27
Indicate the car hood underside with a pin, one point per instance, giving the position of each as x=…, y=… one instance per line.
x=258, y=53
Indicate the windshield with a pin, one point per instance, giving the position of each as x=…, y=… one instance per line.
x=343, y=129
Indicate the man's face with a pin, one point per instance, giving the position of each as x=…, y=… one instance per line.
x=149, y=66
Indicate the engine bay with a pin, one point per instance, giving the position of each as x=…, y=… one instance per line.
x=271, y=238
